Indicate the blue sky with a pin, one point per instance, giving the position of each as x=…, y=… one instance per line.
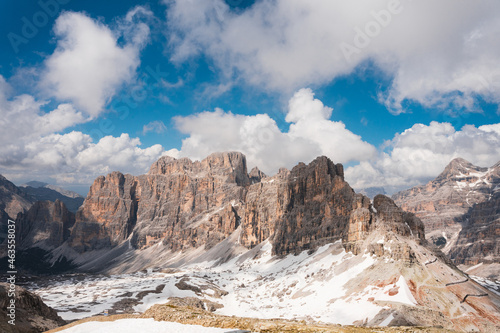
x=392, y=89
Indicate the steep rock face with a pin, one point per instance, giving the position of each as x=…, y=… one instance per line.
x=187, y=204
x=385, y=218
x=441, y=202
x=256, y=175
x=32, y=315
x=190, y=204
x=108, y=215
x=263, y=208
x=317, y=205
x=12, y=199
x=479, y=239
x=184, y=203
x=398, y=221
x=46, y=224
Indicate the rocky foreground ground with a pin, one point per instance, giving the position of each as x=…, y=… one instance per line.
x=196, y=316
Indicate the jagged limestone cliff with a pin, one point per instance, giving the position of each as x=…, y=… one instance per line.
x=187, y=204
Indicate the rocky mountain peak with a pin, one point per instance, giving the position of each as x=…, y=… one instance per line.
x=459, y=168
x=226, y=164
x=12, y=199
x=402, y=223
x=460, y=211
x=256, y=175
x=283, y=172
x=232, y=163
x=41, y=191
x=183, y=205
x=35, y=183
x=321, y=164
x=168, y=165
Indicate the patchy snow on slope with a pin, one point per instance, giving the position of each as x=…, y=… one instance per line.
x=306, y=286
x=397, y=292
x=473, y=267
x=74, y=299
x=387, y=320
x=460, y=185
x=141, y=325
x=302, y=287
x=487, y=283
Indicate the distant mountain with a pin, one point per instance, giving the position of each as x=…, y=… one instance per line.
x=42, y=211
x=460, y=211
x=12, y=201
x=322, y=243
x=41, y=191
x=302, y=236
x=371, y=192
x=66, y=193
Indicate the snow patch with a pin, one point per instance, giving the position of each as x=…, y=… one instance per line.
x=387, y=320
x=260, y=285
x=397, y=292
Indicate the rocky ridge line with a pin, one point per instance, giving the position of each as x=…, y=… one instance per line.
x=187, y=204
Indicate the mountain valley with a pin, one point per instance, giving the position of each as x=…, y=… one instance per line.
x=299, y=245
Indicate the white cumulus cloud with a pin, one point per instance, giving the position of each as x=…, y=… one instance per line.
x=34, y=144
x=438, y=53
x=89, y=64
x=310, y=134
x=421, y=152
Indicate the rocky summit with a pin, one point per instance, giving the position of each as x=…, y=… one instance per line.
x=298, y=245
x=12, y=201
x=186, y=204
x=460, y=212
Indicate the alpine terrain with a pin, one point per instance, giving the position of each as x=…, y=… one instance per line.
x=299, y=245
x=461, y=213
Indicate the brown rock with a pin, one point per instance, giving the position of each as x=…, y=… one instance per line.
x=479, y=239
x=31, y=315
x=317, y=204
x=12, y=199
x=108, y=214
x=460, y=211
x=188, y=204
x=263, y=208
x=46, y=224
x=12, y=202
x=180, y=202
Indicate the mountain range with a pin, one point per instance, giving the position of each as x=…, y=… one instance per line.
x=461, y=212
x=235, y=240
x=41, y=191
